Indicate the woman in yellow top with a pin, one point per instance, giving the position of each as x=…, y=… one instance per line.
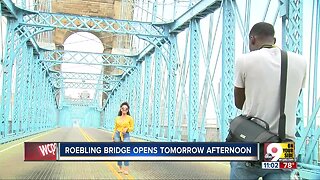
x=122, y=126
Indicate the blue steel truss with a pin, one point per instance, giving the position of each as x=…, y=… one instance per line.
x=103, y=87
x=86, y=76
x=157, y=96
x=193, y=129
x=55, y=57
x=146, y=81
x=228, y=51
x=95, y=24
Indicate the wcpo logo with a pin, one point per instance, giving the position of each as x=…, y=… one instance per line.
x=279, y=152
x=48, y=149
x=40, y=151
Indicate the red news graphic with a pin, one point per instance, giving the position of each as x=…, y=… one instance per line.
x=40, y=151
x=288, y=165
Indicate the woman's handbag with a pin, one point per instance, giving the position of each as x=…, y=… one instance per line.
x=251, y=129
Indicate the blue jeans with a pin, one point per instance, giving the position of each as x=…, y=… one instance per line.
x=243, y=170
x=126, y=138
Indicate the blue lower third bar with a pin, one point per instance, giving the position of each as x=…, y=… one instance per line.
x=154, y=151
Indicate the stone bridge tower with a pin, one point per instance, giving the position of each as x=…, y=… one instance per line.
x=100, y=8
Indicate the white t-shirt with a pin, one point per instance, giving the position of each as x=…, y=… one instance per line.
x=259, y=73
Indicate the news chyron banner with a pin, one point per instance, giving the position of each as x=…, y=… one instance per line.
x=143, y=151
x=279, y=156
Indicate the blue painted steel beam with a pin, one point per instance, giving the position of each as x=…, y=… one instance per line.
x=33, y=110
x=199, y=10
x=138, y=104
x=93, y=24
x=78, y=102
x=291, y=12
x=28, y=54
x=32, y=67
x=50, y=64
x=308, y=171
x=193, y=113
x=9, y=56
x=19, y=89
x=26, y=34
x=8, y=9
x=228, y=54
x=158, y=43
x=305, y=134
x=172, y=67
x=157, y=95
x=107, y=87
x=104, y=59
x=146, y=51
x=86, y=76
x=313, y=147
x=146, y=95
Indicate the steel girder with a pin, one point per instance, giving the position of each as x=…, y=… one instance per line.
x=310, y=134
x=292, y=40
x=103, y=87
x=172, y=67
x=200, y=10
x=146, y=95
x=8, y=9
x=292, y=22
x=136, y=78
x=7, y=75
x=109, y=121
x=78, y=102
x=228, y=54
x=25, y=94
x=55, y=57
x=16, y=38
x=20, y=85
x=156, y=95
x=86, y=76
x=193, y=111
x=307, y=141
x=95, y=24
x=155, y=34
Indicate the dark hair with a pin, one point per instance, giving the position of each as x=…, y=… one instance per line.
x=262, y=29
x=124, y=103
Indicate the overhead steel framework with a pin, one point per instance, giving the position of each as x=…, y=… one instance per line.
x=179, y=81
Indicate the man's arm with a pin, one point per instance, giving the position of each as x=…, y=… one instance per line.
x=239, y=97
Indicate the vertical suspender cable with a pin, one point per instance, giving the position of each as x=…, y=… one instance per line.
x=310, y=58
x=1, y=35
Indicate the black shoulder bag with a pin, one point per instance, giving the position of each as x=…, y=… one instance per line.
x=252, y=129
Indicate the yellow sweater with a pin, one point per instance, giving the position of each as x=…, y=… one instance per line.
x=120, y=124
